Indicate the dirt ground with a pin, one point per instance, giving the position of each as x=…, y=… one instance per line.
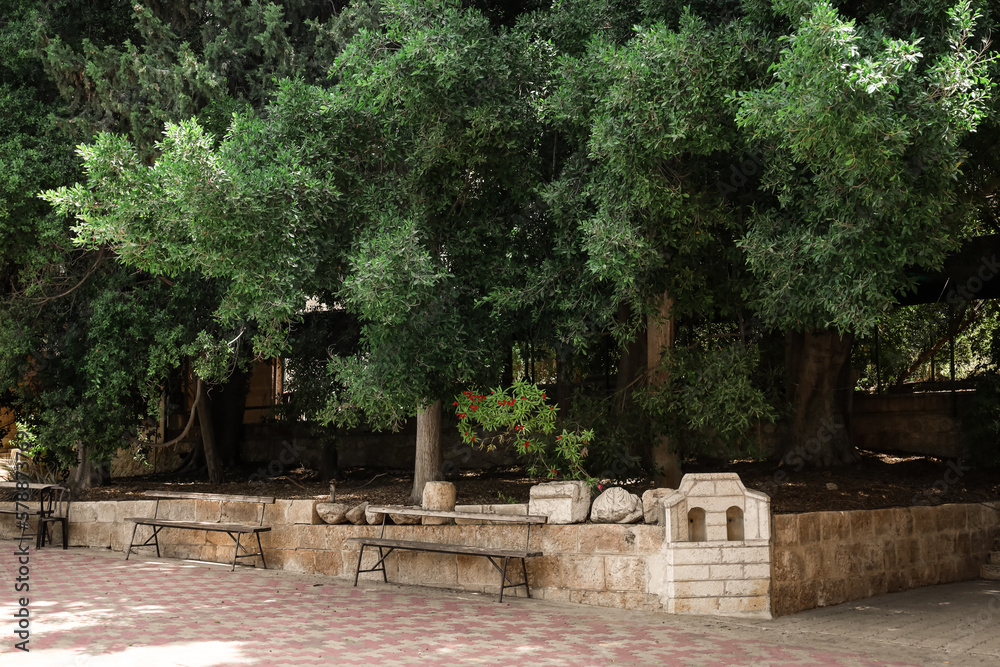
x=878, y=481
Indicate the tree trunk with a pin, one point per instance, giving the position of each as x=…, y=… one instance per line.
x=212, y=460
x=429, y=464
x=660, y=334
x=85, y=474
x=227, y=406
x=819, y=387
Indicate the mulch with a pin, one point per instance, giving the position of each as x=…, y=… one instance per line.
x=877, y=481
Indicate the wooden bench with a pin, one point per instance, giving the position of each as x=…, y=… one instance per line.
x=386, y=546
x=53, y=506
x=234, y=530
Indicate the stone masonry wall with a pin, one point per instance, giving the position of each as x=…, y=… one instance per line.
x=597, y=564
x=826, y=558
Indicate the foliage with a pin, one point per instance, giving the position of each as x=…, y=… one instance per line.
x=711, y=402
x=862, y=140
x=525, y=421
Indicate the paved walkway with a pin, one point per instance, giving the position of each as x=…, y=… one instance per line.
x=91, y=608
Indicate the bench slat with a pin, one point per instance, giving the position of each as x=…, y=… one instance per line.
x=184, y=495
x=200, y=525
x=480, y=516
x=438, y=547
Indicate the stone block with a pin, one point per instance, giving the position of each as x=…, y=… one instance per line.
x=748, y=588
x=438, y=496
x=697, y=589
x=690, y=572
x=756, y=606
x=834, y=527
x=786, y=530
x=106, y=511
x=561, y=502
x=623, y=573
x=208, y=510
x=729, y=571
x=607, y=538
x=862, y=527
x=577, y=572
x=80, y=512
x=683, y=554
x=373, y=518
x=302, y=512
x=556, y=539
x=477, y=571
x=422, y=568
x=759, y=570
x=789, y=565
x=810, y=527
x=703, y=606
x=177, y=510
x=652, y=510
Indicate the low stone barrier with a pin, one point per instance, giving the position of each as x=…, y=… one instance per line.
x=754, y=567
x=826, y=558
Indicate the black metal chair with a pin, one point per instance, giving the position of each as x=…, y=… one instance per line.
x=54, y=508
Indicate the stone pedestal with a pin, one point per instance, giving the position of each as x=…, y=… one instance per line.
x=438, y=496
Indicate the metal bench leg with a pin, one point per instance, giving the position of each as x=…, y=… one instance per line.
x=357, y=570
x=503, y=577
x=260, y=550
x=524, y=571
x=131, y=542
x=236, y=552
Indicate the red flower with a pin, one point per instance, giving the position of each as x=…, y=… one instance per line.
x=461, y=415
x=473, y=408
x=526, y=445
x=543, y=394
x=519, y=427
x=455, y=403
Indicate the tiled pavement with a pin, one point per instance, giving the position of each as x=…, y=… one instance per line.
x=91, y=608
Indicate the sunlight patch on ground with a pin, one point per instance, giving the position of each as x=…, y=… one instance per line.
x=190, y=654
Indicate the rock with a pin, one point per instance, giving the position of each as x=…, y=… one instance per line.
x=358, y=514
x=561, y=502
x=652, y=511
x=333, y=513
x=373, y=518
x=830, y=486
x=402, y=519
x=616, y=505
x=438, y=496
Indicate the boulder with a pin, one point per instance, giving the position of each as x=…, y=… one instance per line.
x=652, y=511
x=358, y=514
x=333, y=513
x=402, y=519
x=438, y=496
x=616, y=505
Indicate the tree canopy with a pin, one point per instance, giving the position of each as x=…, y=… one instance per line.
x=464, y=178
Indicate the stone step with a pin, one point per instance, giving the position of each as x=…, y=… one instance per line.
x=990, y=571
x=993, y=557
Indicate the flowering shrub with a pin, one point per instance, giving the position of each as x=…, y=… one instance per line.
x=521, y=416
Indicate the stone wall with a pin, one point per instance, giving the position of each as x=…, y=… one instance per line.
x=597, y=564
x=825, y=558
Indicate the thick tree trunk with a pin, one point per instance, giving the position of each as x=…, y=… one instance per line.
x=660, y=334
x=227, y=406
x=429, y=465
x=212, y=460
x=85, y=474
x=819, y=388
